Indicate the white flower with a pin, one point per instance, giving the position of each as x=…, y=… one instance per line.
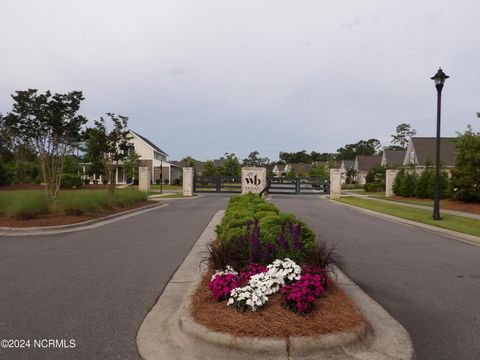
x=254, y=294
x=228, y=270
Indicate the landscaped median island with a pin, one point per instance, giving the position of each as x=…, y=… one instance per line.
x=267, y=276
x=30, y=208
x=450, y=222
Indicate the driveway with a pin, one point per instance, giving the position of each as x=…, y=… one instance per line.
x=96, y=286
x=428, y=282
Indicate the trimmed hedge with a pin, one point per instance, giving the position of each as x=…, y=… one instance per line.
x=409, y=184
x=250, y=219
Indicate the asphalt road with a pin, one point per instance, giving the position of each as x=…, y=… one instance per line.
x=428, y=282
x=96, y=286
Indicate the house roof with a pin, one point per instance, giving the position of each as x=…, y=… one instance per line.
x=301, y=168
x=424, y=148
x=394, y=157
x=365, y=162
x=348, y=164
x=150, y=143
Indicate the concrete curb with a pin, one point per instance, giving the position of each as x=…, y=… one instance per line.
x=470, y=239
x=84, y=225
x=169, y=332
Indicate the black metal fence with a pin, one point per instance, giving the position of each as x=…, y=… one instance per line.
x=299, y=186
x=219, y=184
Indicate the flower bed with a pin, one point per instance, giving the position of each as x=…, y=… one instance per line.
x=269, y=264
x=334, y=312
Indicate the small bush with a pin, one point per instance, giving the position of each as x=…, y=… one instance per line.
x=375, y=180
x=259, y=227
x=409, y=182
x=86, y=181
x=423, y=187
x=70, y=181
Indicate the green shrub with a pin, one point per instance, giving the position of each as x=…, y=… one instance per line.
x=279, y=235
x=4, y=178
x=409, y=182
x=70, y=181
x=86, y=181
x=397, y=183
x=375, y=179
x=465, y=181
x=423, y=187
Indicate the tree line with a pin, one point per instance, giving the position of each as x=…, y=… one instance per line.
x=43, y=138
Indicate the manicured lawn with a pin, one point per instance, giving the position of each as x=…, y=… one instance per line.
x=368, y=193
x=30, y=203
x=426, y=202
x=450, y=222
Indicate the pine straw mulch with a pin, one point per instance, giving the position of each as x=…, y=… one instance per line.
x=61, y=219
x=333, y=312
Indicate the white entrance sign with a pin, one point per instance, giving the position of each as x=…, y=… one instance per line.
x=254, y=179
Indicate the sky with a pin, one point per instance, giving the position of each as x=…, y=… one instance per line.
x=202, y=78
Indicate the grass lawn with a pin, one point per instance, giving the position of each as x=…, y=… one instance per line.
x=426, y=202
x=450, y=222
x=368, y=193
x=167, y=187
x=25, y=204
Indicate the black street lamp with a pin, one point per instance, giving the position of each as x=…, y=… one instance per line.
x=439, y=79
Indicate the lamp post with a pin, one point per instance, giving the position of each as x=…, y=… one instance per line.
x=439, y=79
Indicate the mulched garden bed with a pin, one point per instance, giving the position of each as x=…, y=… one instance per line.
x=61, y=219
x=333, y=312
x=447, y=204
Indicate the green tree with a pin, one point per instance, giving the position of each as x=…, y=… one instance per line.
x=110, y=146
x=254, y=159
x=232, y=166
x=50, y=126
x=318, y=170
x=187, y=162
x=94, y=151
x=465, y=181
x=295, y=157
x=131, y=163
x=363, y=147
x=402, y=136
x=209, y=169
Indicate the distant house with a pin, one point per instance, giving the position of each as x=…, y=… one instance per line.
x=363, y=164
x=151, y=156
x=345, y=166
x=393, y=158
x=298, y=169
x=421, y=150
x=279, y=170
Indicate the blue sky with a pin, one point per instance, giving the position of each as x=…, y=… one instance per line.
x=206, y=77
